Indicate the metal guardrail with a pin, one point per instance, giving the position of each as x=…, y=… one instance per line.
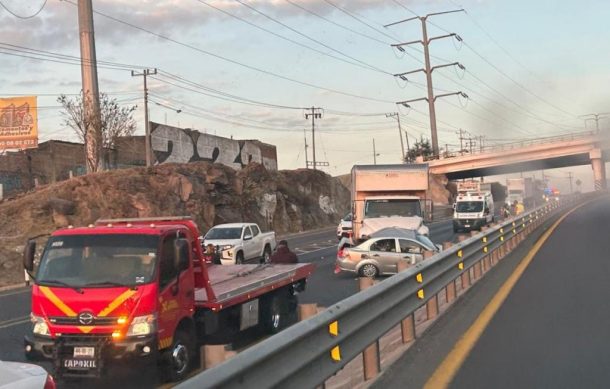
x=309, y=352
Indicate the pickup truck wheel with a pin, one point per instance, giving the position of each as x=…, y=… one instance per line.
x=177, y=359
x=368, y=270
x=266, y=255
x=239, y=258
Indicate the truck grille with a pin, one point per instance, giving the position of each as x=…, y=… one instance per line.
x=73, y=320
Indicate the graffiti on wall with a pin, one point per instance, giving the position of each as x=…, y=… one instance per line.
x=171, y=144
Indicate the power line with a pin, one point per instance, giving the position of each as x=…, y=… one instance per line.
x=235, y=62
x=44, y=3
x=358, y=19
x=385, y=43
x=358, y=63
x=310, y=38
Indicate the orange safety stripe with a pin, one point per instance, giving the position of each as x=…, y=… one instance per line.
x=69, y=312
x=56, y=301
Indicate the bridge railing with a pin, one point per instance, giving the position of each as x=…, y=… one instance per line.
x=307, y=353
x=516, y=145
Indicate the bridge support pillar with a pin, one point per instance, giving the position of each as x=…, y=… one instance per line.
x=599, y=169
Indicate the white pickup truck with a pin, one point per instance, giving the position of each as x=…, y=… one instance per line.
x=240, y=242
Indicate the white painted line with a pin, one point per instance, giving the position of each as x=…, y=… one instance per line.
x=14, y=293
x=14, y=322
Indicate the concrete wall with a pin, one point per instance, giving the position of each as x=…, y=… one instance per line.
x=54, y=160
x=171, y=144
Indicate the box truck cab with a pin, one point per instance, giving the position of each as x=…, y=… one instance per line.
x=389, y=196
x=473, y=211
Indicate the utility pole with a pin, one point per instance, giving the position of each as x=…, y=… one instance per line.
x=407, y=158
x=596, y=117
x=374, y=153
x=91, y=93
x=461, y=133
x=425, y=42
x=570, y=178
x=316, y=113
x=306, y=160
x=396, y=115
x=147, y=146
x=481, y=137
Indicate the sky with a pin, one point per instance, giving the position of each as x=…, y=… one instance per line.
x=248, y=69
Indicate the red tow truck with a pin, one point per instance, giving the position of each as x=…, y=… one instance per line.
x=141, y=289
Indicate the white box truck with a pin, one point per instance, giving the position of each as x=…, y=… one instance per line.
x=520, y=190
x=389, y=196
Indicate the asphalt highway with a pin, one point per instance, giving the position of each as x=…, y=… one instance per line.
x=551, y=331
x=324, y=288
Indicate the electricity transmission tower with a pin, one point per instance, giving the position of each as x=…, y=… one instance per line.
x=427, y=70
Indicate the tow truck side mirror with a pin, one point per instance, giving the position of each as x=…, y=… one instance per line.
x=28, y=255
x=181, y=255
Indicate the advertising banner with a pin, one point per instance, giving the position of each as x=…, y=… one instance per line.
x=18, y=123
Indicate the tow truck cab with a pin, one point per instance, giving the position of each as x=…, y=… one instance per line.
x=136, y=288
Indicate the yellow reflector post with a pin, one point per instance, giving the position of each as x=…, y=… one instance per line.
x=419, y=278
x=501, y=230
x=420, y=294
x=502, y=239
x=484, y=239
x=485, y=249
x=335, y=354
x=460, y=254
x=461, y=265
x=333, y=328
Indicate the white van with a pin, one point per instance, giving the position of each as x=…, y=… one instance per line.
x=472, y=211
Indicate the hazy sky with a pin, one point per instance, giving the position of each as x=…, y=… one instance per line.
x=531, y=68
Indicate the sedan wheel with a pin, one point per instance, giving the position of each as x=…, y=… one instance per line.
x=369, y=270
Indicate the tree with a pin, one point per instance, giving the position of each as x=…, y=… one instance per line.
x=421, y=147
x=117, y=121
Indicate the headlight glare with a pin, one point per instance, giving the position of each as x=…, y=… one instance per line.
x=40, y=326
x=142, y=325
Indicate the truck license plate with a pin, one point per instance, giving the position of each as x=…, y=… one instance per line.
x=87, y=352
x=80, y=364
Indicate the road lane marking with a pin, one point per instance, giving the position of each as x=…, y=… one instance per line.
x=446, y=371
x=14, y=293
x=14, y=322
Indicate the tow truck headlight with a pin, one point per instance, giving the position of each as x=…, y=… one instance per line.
x=40, y=326
x=143, y=325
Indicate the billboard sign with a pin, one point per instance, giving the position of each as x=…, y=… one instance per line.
x=18, y=123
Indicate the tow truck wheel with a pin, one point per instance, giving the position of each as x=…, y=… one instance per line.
x=177, y=359
x=275, y=313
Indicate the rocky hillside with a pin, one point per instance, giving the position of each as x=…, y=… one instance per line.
x=285, y=201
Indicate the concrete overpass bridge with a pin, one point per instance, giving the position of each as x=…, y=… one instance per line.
x=544, y=153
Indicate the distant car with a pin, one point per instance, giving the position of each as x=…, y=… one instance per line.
x=24, y=376
x=380, y=254
x=344, y=229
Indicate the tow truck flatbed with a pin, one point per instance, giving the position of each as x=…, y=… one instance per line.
x=238, y=283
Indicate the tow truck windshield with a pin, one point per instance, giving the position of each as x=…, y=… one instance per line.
x=79, y=261
x=389, y=208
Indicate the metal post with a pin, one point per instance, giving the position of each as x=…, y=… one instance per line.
x=305, y=137
x=428, y=69
x=450, y=290
x=313, y=137
x=147, y=141
x=370, y=355
x=91, y=95
x=407, y=325
x=374, y=153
